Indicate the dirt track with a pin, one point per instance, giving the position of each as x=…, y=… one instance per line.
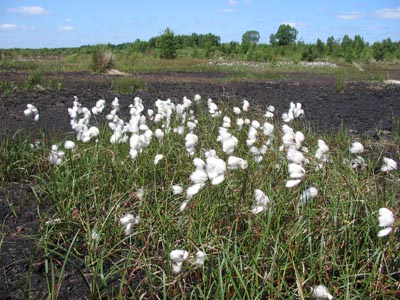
x=362, y=108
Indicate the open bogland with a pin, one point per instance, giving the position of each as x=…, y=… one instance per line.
x=362, y=109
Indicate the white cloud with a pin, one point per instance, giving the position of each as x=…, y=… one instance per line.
x=232, y=2
x=297, y=25
x=350, y=16
x=388, y=13
x=29, y=10
x=68, y=20
x=227, y=10
x=65, y=28
x=7, y=26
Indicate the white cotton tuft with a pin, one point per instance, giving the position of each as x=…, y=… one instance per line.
x=356, y=148
x=321, y=293
x=308, y=194
x=177, y=189
x=178, y=257
x=235, y=163
x=200, y=258
x=246, y=105
x=157, y=158
x=236, y=110
x=159, y=134
x=69, y=145
x=386, y=217
x=388, y=165
x=292, y=182
x=386, y=220
x=262, y=202
x=190, y=142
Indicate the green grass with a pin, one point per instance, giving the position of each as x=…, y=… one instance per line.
x=127, y=85
x=280, y=253
x=36, y=81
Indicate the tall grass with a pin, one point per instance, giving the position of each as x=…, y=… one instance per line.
x=280, y=253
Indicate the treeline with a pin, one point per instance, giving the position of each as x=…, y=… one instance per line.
x=283, y=45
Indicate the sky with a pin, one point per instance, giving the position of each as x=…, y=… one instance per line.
x=73, y=23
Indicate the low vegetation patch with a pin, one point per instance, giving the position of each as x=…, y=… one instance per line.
x=36, y=81
x=127, y=85
x=199, y=200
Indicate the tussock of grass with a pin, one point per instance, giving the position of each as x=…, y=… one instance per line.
x=127, y=85
x=280, y=253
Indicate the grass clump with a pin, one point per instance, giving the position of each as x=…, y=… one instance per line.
x=127, y=85
x=282, y=252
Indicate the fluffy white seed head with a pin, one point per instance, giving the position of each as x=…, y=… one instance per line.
x=177, y=189
x=321, y=293
x=356, y=147
x=69, y=145
x=388, y=165
x=200, y=258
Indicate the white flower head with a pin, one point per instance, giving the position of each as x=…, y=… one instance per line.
x=95, y=236
x=178, y=257
x=308, y=194
x=31, y=110
x=246, y=105
x=128, y=221
x=200, y=258
x=159, y=134
x=215, y=168
x=388, y=165
x=69, y=145
x=236, y=110
x=157, y=158
x=190, y=142
x=235, y=163
x=177, y=189
x=356, y=148
x=321, y=293
x=262, y=202
x=386, y=220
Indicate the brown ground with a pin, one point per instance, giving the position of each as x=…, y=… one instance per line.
x=363, y=108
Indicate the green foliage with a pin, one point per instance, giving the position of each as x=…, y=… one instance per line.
x=166, y=44
x=310, y=53
x=127, y=85
x=102, y=59
x=7, y=87
x=286, y=35
x=280, y=253
x=340, y=80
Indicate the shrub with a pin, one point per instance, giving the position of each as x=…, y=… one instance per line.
x=102, y=59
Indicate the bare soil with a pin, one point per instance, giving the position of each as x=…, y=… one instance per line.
x=362, y=108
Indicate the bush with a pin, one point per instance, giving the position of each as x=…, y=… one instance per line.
x=166, y=44
x=102, y=59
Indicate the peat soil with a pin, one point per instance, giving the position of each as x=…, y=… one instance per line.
x=361, y=108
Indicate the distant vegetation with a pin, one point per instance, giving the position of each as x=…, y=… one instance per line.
x=283, y=45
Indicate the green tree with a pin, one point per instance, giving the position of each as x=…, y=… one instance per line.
x=251, y=37
x=320, y=47
x=286, y=35
x=166, y=44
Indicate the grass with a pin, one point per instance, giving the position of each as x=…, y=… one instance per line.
x=127, y=85
x=36, y=81
x=280, y=253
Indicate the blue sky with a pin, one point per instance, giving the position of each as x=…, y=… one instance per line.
x=72, y=23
